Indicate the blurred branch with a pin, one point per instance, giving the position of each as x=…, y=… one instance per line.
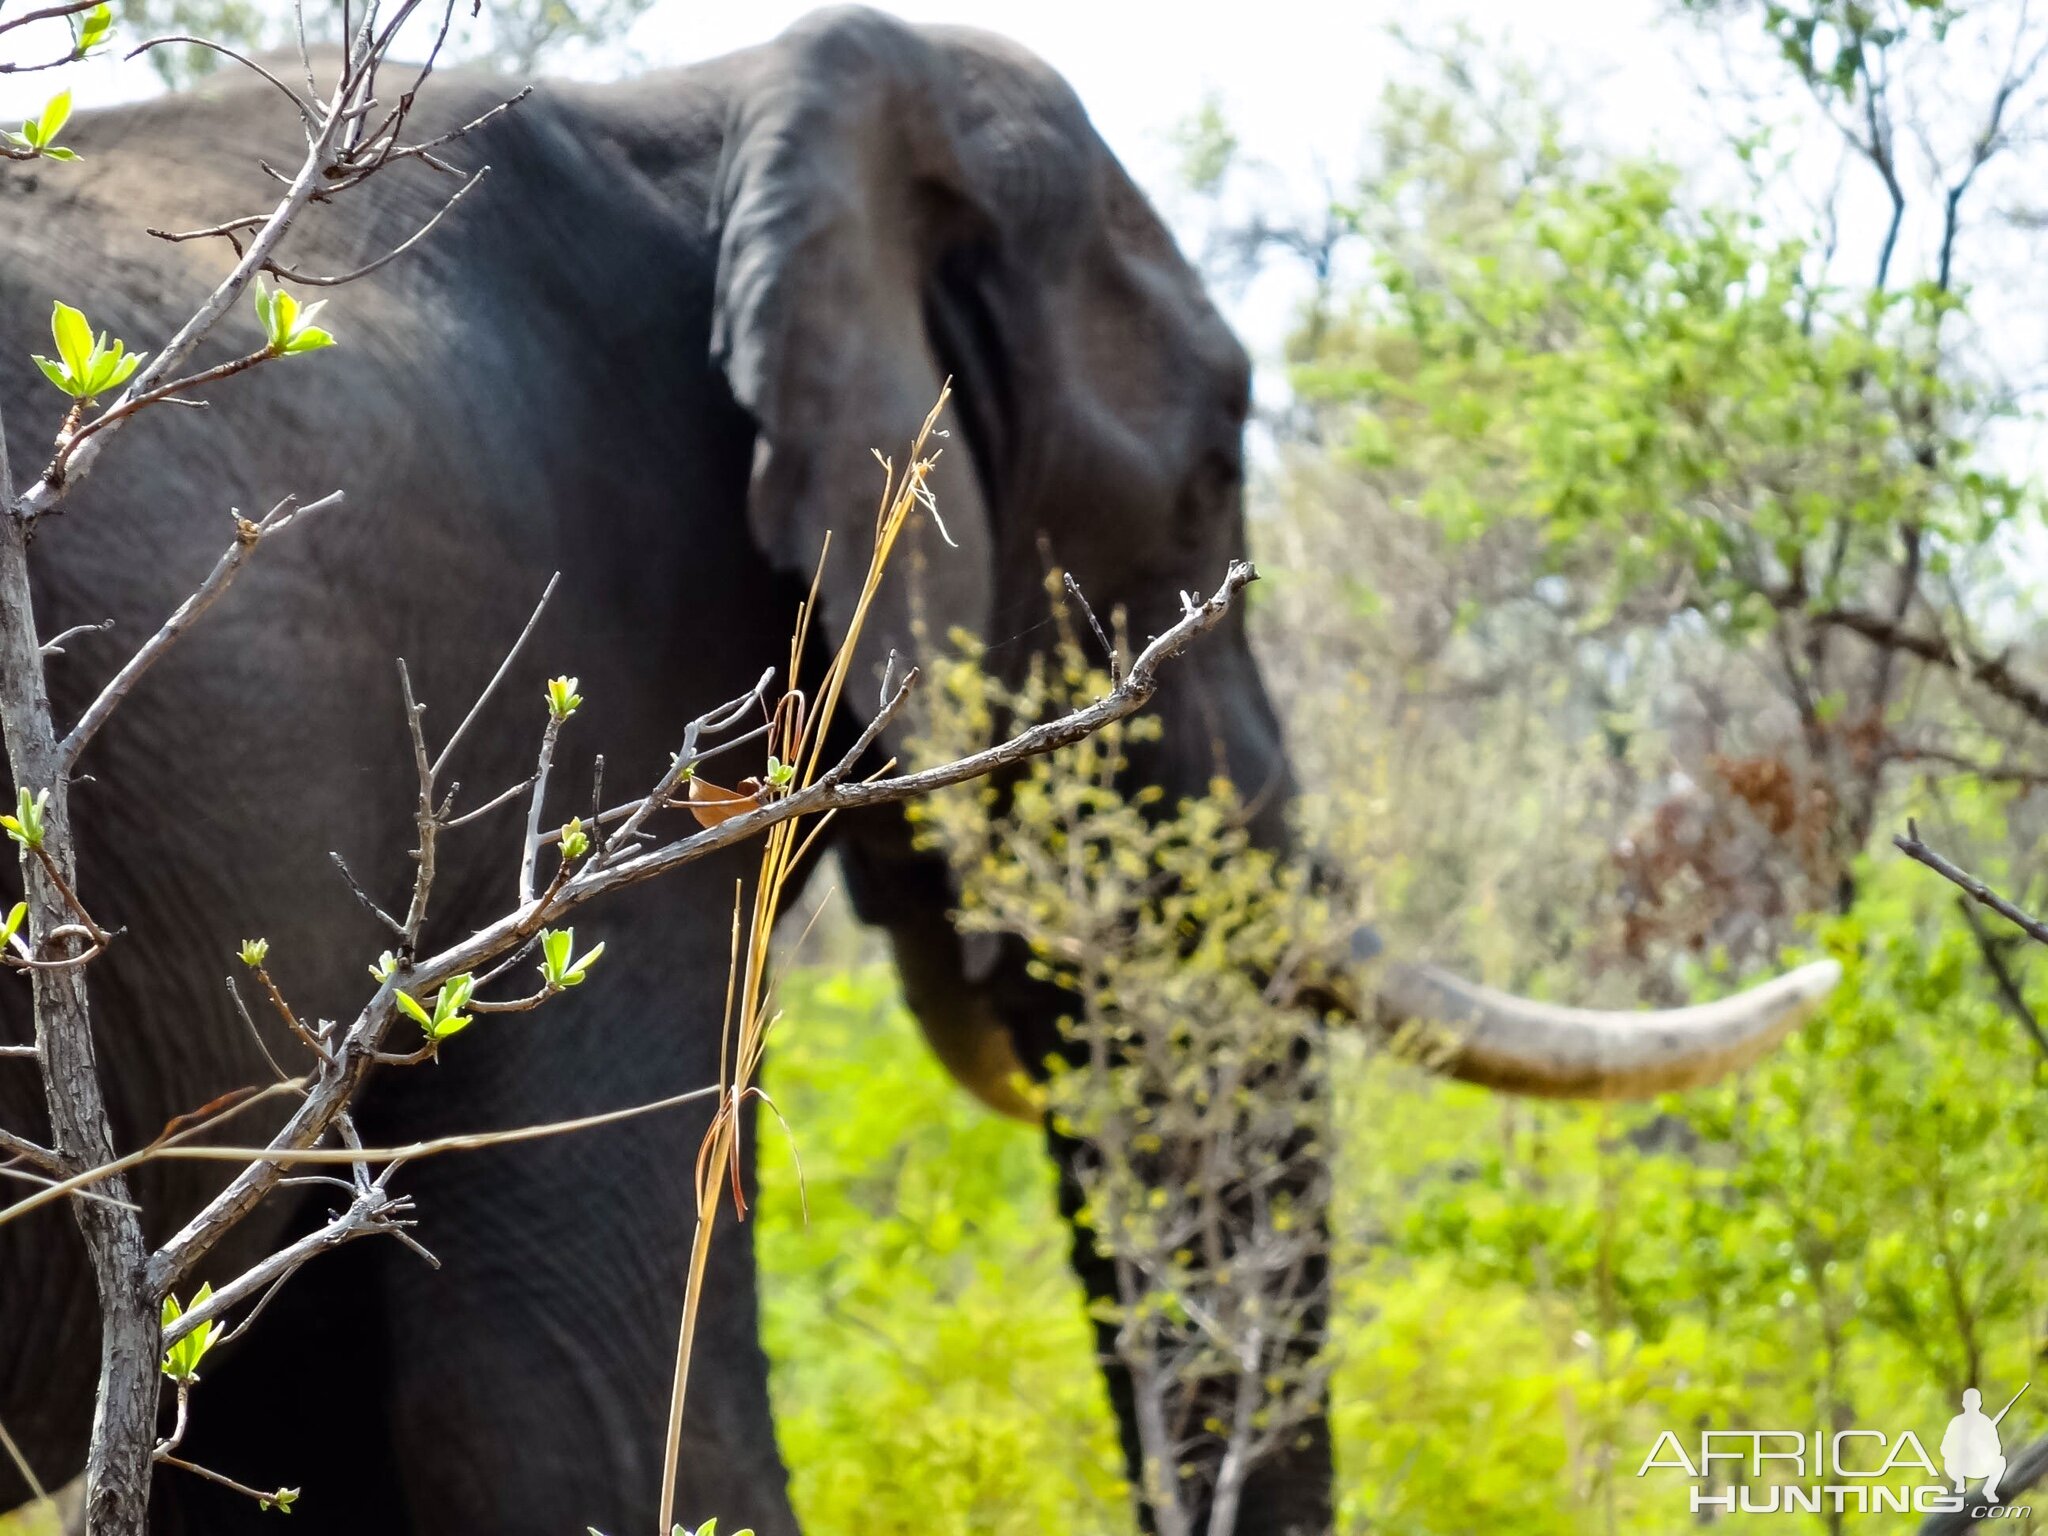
x=1911, y=846
x=1991, y=673
x=2009, y=992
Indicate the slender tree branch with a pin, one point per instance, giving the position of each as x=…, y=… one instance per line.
x=1911, y=846
x=247, y=536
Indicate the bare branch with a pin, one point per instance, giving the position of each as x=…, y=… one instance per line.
x=320, y=280
x=497, y=677
x=307, y=113
x=247, y=536
x=55, y=645
x=1911, y=846
x=363, y=897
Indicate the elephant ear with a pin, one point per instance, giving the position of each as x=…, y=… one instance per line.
x=841, y=186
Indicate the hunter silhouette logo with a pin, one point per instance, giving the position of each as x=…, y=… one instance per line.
x=1971, y=1448
x=1853, y=1471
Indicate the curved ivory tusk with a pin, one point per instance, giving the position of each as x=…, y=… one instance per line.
x=1497, y=1040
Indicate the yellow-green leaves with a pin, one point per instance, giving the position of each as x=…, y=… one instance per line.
x=382, y=971
x=556, y=944
x=85, y=368
x=575, y=841
x=255, y=952
x=447, y=1018
x=181, y=1360
x=281, y=1501
x=288, y=325
x=13, y=924
x=780, y=774
x=25, y=826
x=563, y=699
x=94, y=28
x=40, y=133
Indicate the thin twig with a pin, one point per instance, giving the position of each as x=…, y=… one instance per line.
x=363, y=896
x=282, y=1157
x=305, y=109
x=247, y=536
x=324, y=280
x=497, y=677
x=2009, y=992
x=54, y=646
x=1911, y=846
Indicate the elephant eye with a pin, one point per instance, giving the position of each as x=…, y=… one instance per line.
x=1208, y=496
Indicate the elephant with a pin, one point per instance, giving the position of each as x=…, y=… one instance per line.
x=654, y=353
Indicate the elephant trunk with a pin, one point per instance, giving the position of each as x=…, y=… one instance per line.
x=1514, y=1045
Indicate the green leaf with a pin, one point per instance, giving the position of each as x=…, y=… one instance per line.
x=288, y=327
x=94, y=28
x=447, y=1018
x=55, y=373
x=74, y=340
x=563, y=699
x=56, y=113
x=59, y=152
x=255, y=952
x=181, y=1360
x=13, y=924
x=575, y=841
x=410, y=1005
x=574, y=976
x=25, y=826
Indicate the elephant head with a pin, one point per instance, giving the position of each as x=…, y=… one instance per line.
x=898, y=207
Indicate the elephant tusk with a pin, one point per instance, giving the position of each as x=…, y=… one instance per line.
x=1500, y=1041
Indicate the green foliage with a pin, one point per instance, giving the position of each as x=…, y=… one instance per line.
x=40, y=133
x=575, y=841
x=1834, y=45
x=1667, y=399
x=1208, y=147
x=1190, y=1066
x=932, y=1358
x=181, y=1360
x=447, y=1017
x=288, y=327
x=1849, y=1234
x=25, y=826
x=85, y=368
x=556, y=968
x=255, y=951
x=563, y=699
x=1528, y=1293
x=95, y=27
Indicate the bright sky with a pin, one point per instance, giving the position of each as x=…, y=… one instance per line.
x=1299, y=80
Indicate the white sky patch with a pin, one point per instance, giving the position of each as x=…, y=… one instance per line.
x=1300, y=81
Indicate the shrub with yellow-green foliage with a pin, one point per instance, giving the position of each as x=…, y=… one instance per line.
x=1191, y=1076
